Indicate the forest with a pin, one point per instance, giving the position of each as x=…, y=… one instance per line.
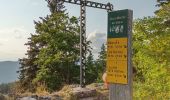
x=53, y=54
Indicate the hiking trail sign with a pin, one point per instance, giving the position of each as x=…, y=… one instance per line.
x=119, y=69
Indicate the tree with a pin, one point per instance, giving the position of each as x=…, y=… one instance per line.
x=151, y=48
x=162, y=2
x=102, y=58
x=28, y=68
x=164, y=12
x=91, y=69
x=52, y=52
x=57, y=59
x=151, y=59
x=101, y=62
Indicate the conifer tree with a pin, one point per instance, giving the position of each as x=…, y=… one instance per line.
x=91, y=69
x=28, y=68
x=101, y=63
x=52, y=51
x=102, y=58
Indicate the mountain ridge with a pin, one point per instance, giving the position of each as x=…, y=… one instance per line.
x=8, y=71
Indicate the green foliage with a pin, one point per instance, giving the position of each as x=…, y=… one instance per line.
x=91, y=70
x=162, y=2
x=56, y=60
x=101, y=63
x=151, y=45
x=152, y=78
x=52, y=53
x=28, y=68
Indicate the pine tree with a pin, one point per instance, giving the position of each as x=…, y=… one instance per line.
x=102, y=58
x=28, y=68
x=52, y=51
x=101, y=62
x=91, y=69
x=57, y=59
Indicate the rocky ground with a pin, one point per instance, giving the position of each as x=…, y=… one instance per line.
x=95, y=91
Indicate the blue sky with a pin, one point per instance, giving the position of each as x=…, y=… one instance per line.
x=16, y=22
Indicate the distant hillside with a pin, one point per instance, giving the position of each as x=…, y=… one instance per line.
x=8, y=71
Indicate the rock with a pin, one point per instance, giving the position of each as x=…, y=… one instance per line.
x=84, y=92
x=94, y=91
x=44, y=98
x=27, y=98
x=35, y=96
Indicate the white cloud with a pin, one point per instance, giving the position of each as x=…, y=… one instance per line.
x=9, y=33
x=97, y=38
x=12, y=42
x=19, y=33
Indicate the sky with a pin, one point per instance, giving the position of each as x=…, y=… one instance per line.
x=17, y=16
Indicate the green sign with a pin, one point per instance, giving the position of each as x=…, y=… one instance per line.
x=117, y=46
x=118, y=23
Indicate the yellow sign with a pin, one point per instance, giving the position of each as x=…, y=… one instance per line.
x=117, y=60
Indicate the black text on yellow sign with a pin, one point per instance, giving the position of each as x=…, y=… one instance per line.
x=117, y=60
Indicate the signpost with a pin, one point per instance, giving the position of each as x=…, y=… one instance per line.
x=119, y=69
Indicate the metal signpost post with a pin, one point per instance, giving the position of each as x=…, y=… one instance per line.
x=119, y=69
x=83, y=4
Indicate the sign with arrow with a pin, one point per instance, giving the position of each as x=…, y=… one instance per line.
x=117, y=47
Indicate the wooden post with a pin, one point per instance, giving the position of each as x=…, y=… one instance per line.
x=119, y=34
